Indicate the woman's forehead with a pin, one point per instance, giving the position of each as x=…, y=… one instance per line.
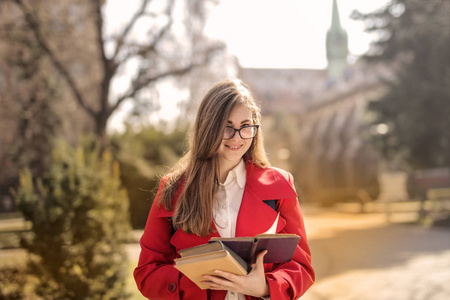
x=240, y=113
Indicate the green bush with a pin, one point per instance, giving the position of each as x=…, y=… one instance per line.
x=79, y=216
x=144, y=156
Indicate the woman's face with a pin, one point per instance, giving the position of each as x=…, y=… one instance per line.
x=232, y=150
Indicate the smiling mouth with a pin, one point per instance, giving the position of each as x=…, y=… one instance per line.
x=233, y=147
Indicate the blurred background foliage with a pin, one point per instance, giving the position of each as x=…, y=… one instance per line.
x=414, y=41
x=144, y=156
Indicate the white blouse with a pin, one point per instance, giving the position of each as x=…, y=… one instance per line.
x=226, y=208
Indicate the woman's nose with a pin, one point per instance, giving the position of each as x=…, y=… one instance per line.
x=236, y=136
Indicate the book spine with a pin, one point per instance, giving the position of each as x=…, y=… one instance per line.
x=239, y=259
x=253, y=250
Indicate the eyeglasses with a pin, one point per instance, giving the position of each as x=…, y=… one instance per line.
x=246, y=132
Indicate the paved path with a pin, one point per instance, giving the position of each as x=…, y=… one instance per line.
x=362, y=257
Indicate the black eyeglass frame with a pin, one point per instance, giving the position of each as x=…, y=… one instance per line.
x=239, y=130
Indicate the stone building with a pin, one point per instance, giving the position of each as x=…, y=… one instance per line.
x=328, y=152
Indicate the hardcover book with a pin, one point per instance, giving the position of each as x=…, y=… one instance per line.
x=280, y=246
x=234, y=255
x=204, y=259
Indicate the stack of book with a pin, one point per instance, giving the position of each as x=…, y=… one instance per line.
x=234, y=255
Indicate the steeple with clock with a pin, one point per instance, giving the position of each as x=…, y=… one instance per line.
x=337, y=46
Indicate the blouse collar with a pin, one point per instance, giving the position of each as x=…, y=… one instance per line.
x=238, y=173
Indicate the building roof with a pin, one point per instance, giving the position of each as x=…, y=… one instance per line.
x=279, y=89
x=301, y=90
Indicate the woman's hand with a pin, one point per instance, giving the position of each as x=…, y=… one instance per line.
x=253, y=284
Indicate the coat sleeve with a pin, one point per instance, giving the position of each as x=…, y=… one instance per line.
x=291, y=280
x=155, y=275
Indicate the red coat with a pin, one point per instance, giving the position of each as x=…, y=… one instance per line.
x=156, y=277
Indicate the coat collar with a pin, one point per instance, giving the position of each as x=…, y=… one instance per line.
x=268, y=183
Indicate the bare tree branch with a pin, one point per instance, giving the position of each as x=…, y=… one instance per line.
x=99, y=27
x=166, y=27
x=142, y=81
x=109, y=67
x=138, y=50
x=126, y=31
x=142, y=50
x=35, y=27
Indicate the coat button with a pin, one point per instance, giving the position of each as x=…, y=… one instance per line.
x=172, y=287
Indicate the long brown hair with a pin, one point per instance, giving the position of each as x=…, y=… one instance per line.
x=198, y=170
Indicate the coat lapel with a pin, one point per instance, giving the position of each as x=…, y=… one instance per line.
x=255, y=216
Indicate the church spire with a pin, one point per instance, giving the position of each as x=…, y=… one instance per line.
x=335, y=20
x=337, y=45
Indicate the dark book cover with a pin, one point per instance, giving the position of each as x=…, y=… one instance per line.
x=280, y=247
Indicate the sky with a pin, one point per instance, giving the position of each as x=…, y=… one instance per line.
x=286, y=33
x=261, y=34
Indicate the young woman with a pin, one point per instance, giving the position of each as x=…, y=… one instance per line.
x=223, y=186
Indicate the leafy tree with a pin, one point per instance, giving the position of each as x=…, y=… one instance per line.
x=79, y=216
x=414, y=40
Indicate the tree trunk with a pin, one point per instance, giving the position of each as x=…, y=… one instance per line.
x=100, y=129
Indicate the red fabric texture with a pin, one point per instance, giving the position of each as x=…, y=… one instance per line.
x=156, y=277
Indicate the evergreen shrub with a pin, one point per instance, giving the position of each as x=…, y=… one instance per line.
x=80, y=219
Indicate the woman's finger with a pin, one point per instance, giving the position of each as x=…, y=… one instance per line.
x=260, y=260
x=217, y=281
x=229, y=276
